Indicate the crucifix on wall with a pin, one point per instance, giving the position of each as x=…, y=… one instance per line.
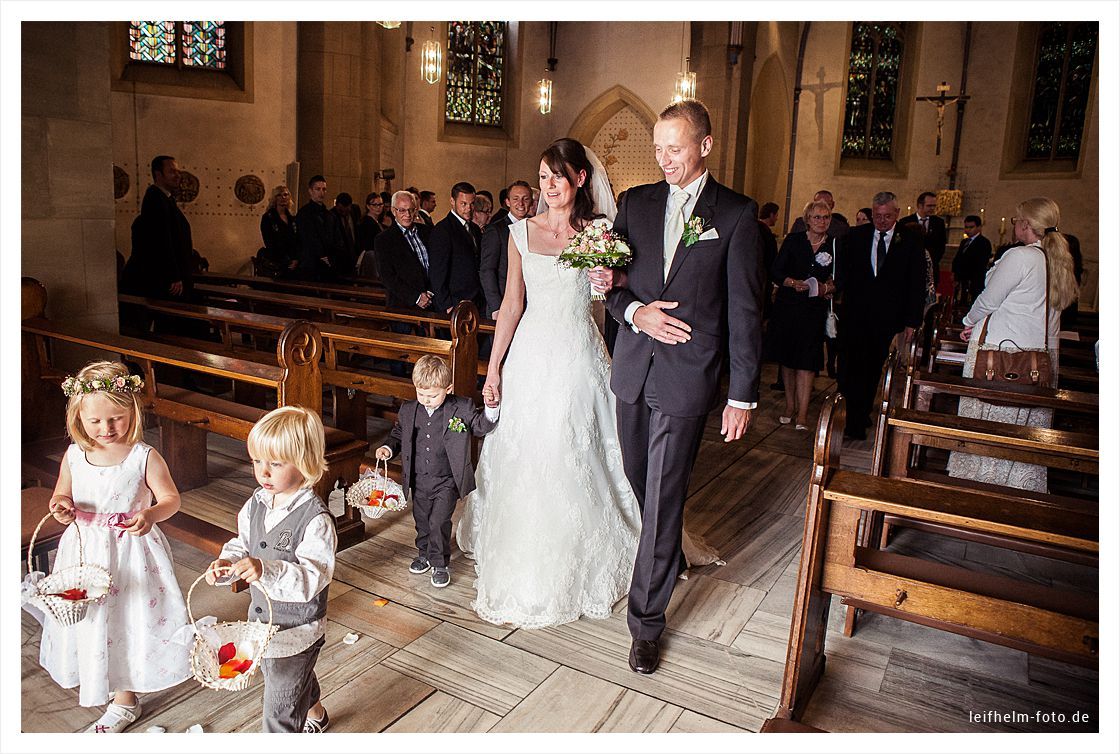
x=942, y=100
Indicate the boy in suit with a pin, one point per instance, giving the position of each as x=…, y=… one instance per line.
x=433, y=433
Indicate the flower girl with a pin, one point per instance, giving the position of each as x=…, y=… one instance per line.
x=106, y=485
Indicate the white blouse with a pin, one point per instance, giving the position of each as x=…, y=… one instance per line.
x=1014, y=296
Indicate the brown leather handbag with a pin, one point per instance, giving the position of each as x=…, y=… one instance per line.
x=1025, y=367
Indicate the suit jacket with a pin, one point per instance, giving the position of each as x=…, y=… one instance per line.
x=884, y=304
x=935, y=238
x=400, y=270
x=161, y=248
x=453, y=252
x=456, y=444
x=321, y=236
x=970, y=264
x=425, y=218
x=718, y=284
x=495, y=262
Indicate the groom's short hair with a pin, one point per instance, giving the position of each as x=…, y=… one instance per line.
x=693, y=111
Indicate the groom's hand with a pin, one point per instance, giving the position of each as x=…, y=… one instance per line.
x=735, y=423
x=654, y=322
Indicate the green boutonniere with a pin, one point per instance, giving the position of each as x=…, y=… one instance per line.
x=456, y=425
x=693, y=229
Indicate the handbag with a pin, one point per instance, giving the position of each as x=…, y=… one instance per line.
x=832, y=321
x=1025, y=367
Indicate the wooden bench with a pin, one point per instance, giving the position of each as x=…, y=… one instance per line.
x=186, y=416
x=1044, y=620
x=367, y=292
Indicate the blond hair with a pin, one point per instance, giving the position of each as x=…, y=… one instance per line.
x=291, y=434
x=276, y=193
x=694, y=113
x=813, y=205
x=431, y=372
x=1042, y=215
x=104, y=370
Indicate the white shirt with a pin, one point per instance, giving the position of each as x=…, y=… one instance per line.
x=693, y=190
x=888, y=235
x=285, y=581
x=490, y=413
x=1015, y=295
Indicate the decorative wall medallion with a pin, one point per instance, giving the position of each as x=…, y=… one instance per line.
x=188, y=188
x=121, y=182
x=249, y=189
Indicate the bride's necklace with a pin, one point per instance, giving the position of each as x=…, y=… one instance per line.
x=556, y=233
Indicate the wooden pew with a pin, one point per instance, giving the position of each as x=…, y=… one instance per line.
x=369, y=292
x=186, y=416
x=1043, y=620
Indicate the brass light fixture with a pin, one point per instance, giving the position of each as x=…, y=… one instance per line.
x=431, y=59
x=544, y=86
x=390, y=24
x=685, y=87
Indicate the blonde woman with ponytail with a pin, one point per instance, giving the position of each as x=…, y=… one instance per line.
x=1024, y=294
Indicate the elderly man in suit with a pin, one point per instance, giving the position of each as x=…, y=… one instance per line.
x=691, y=295
x=454, y=250
x=881, y=277
x=402, y=259
x=495, y=245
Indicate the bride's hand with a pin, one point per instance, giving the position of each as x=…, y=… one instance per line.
x=602, y=278
x=491, y=392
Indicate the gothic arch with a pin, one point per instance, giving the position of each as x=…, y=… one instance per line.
x=588, y=123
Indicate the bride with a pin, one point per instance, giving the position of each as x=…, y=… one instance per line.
x=553, y=523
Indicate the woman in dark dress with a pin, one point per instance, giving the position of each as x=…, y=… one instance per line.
x=803, y=272
x=368, y=229
x=281, y=249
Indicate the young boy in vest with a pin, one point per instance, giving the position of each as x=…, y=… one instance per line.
x=286, y=541
x=433, y=435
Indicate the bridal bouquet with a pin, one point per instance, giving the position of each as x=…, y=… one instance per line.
x=596, y=246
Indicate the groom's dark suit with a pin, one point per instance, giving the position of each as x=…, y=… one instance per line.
x=666, y=391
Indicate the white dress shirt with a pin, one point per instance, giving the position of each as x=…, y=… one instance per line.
x=285, y=581
x=888, y=235
x=693, y=190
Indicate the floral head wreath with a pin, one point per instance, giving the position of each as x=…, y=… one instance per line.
x=132, y=383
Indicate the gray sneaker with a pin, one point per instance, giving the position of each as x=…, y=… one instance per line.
x=441, y=577
x=419, y=565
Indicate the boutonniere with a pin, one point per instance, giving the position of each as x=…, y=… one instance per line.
x=693, y=229
x=456, y=425
x=823, y=258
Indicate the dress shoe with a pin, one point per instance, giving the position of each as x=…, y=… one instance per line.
x=644, y=655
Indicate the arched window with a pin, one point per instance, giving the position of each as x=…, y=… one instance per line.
x=188, y=44
x=475, y=72
x=874, y=66
x=1063, y=77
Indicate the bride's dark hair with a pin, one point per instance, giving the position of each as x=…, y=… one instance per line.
x=568, y=157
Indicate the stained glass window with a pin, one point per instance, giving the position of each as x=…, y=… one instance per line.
x=874, y=67
x=475, y=72
x=197, y=44
x=1063, y=76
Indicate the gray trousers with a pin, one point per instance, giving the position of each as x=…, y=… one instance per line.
x=658, y=451
x=290, y=689
x=433, y=502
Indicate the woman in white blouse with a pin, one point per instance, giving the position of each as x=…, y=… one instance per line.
x=1014, y=303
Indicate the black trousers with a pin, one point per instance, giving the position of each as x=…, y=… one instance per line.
x=658, y=451
x=433, y=502
x=861, y=359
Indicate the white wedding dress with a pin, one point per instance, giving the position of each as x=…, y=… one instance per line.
x=553, y=524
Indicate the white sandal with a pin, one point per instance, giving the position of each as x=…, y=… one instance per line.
x=785, y=419
x=116, y=718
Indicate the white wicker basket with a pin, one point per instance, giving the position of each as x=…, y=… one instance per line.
x=358, y=495
x=93, y=578
x=204, y=655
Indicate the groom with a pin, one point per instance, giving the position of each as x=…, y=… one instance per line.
x=694, y=284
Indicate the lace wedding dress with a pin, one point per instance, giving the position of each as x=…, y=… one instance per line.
x=553, y=524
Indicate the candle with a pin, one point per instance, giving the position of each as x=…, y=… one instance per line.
x=908, y=209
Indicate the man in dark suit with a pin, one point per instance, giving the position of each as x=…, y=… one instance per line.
x=691, y=291
x=321, y=244
x=427, y=207
x=160, y=263
x=454, y=250
x=974, y=255
x=495, y=245
x=348, y=230
x=934, y=235
x=401, y=254
x=881, y=275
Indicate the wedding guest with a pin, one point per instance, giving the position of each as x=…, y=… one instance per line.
x=1018, y=309
x=934, y=235
x=321, y=242
x=863, y=216
x=427, y=207
x=495, y=246
x=368, y=229
x=767, y=219
x=970, y=263
x=433, y=435
x=280, y=253
x=160, y=263
x=343, y=205
x=803, y=272
x=481, y=210
x=454, y=253
x=503, y=205
x=838, y=226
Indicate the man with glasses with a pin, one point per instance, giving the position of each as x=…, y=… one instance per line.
x=401, y=255
x=881, y=279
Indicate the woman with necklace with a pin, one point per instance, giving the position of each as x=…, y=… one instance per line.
x=803, y=270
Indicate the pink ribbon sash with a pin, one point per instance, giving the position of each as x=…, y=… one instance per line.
x=116, y=521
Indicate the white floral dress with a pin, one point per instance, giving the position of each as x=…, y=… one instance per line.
x=123, y=644
x=553, y=524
